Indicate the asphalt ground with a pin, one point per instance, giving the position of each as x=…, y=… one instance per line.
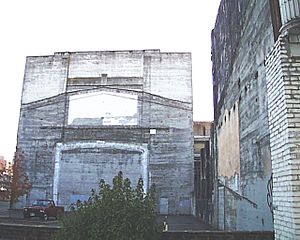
x=172, y=222
x=15, y=216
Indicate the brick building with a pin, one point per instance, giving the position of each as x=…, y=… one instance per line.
x=87, y=115
x=283, y=84
x=255, y=48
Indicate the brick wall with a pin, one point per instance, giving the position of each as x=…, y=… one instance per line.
x=283, y=77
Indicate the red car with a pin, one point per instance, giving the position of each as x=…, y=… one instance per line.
x=44, y=209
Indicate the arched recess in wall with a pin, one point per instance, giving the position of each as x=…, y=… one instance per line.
x=103, y=107
x=79, y=166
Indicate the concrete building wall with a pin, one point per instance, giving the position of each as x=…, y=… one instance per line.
x=163, y=73
x=40, y=128
x=84, y=163
x=202, y=128
x=62, y=156
x=203, y=171
x=50, y=71
x=241, y=39
x=166, y=74
x=112, y=63
x=276, y=91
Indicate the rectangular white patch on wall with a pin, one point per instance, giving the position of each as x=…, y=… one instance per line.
x=152, y=131
x=103, y=108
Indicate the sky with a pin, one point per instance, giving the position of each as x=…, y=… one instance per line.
x=35, y=27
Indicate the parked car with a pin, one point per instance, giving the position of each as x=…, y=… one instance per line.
x=44, y=209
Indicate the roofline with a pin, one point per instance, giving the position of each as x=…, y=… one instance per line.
x=112, y=51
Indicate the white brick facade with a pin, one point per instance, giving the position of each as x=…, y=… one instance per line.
x=283, y=84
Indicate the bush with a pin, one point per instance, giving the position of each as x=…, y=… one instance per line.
x=114, y=213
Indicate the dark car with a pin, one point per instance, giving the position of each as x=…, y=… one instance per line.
x=44, y=209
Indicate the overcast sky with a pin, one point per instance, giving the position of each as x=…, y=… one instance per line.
x=36, y=27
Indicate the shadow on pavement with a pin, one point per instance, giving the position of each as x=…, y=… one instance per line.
x=183, y=223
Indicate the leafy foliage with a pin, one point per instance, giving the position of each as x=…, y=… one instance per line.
x=5, y=181
x=19, y=183
x=117, y=212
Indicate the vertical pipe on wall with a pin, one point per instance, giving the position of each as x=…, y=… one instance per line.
x=224, y=207
x=276, y=18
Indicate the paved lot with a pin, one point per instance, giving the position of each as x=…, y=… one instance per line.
x=175, y=223
x=184, y=223
x=15, y=216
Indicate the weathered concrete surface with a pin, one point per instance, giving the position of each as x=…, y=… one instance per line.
x=51, y=71
x=158, y=147
x=241, y=39
x=203, y=171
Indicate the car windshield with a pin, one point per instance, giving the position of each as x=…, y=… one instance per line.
x=41, y=203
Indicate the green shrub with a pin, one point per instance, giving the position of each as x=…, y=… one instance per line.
x=114, y=213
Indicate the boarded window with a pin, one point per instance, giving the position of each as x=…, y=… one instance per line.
x=163, y=205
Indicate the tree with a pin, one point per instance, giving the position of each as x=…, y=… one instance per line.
x=5, y=180
x=19, y=184
x=117, y=212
